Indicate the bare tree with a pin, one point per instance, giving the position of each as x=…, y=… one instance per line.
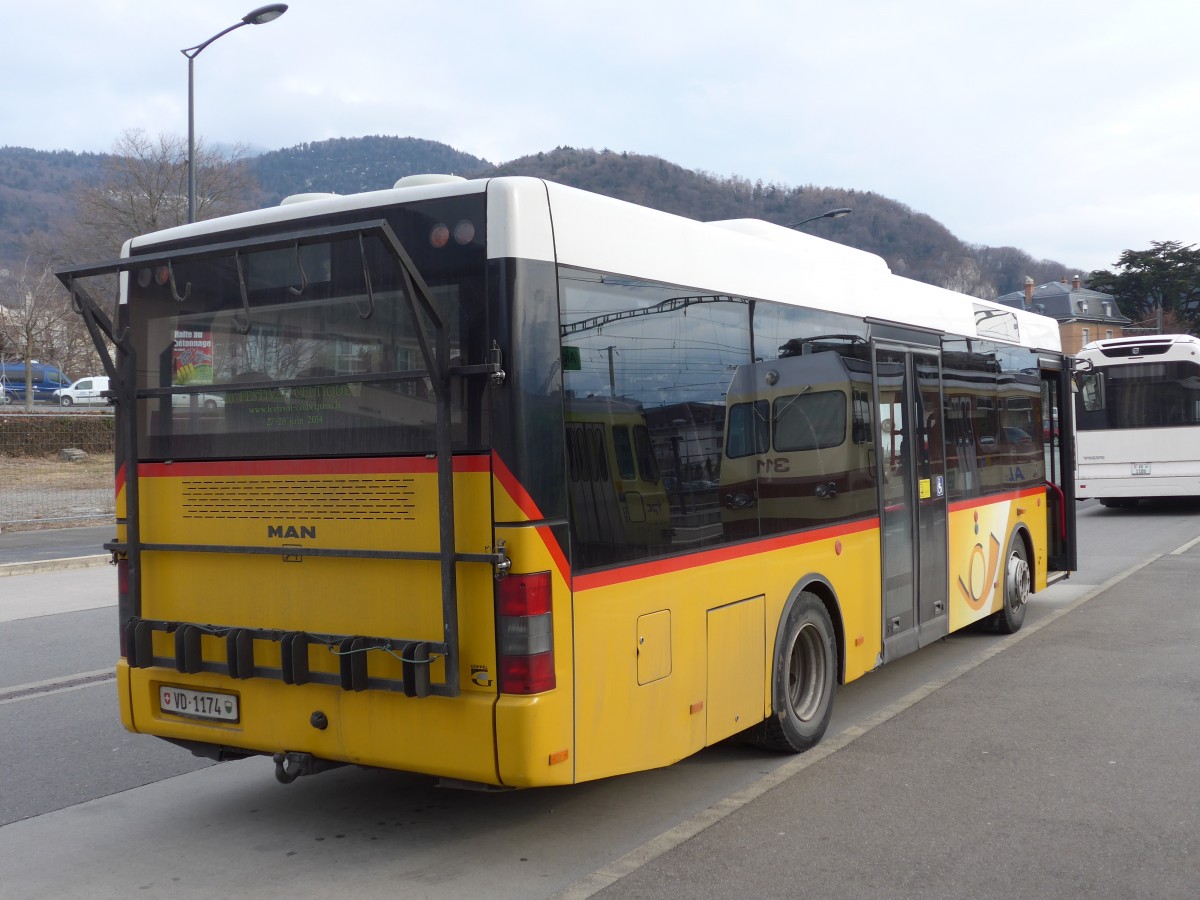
x=144, y=189
x=37, y=324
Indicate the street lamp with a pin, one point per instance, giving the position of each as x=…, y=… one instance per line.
x=260, y=16
x=831, y=214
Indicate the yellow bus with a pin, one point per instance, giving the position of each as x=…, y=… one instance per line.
x=380, y=543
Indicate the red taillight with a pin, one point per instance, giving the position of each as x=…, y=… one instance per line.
x=525, y=633
x=524, y=595
x=527, y=674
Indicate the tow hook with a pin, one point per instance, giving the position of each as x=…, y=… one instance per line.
x=291, y=765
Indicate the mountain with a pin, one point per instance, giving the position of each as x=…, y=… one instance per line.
x=35, y=189
x=353, y=165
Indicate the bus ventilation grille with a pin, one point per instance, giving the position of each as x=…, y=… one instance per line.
x=388, y=500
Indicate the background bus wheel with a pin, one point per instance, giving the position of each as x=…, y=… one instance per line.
x=1017, y=584
x=804, y=680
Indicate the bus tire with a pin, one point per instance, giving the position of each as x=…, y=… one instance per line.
x=804, y=679
x=1119, y=502
x=1018, y=581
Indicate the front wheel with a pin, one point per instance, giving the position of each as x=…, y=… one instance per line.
x=804, y=680
x=65, y=401
x=1018, y=584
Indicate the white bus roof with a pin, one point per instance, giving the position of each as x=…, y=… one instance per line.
x=744, y=257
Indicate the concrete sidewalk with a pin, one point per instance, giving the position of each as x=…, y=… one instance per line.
x=1066, y=766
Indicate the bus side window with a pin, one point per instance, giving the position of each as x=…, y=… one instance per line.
x=598, y=458
x=748, y=429
x=860, y=432
x=647, y=465
x=624, y=451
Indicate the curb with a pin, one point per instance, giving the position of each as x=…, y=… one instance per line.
x=53, y=565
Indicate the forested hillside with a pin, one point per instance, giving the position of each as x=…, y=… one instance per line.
x=35, y=189
x=36, y=186
x=352, y=165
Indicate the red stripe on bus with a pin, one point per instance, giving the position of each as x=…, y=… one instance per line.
x=515, y=489
x=517, y=493
x=555, y=551
x=977, y=502
x=398, y=465
x=719, y=554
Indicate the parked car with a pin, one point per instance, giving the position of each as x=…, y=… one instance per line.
x=204, y=401
x=1015, y=435
x=46, y=380
x=1049, y=435
x=84, y=392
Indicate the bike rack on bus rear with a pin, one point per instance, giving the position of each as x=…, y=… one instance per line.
x=416, y=655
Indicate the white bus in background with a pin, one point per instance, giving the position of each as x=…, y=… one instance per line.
x=1137, y=418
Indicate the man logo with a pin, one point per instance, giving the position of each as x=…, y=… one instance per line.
x=291, y=531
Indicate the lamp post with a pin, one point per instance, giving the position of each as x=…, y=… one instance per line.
x=831, y=214
x=260, y=16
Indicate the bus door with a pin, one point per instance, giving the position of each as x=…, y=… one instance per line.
x=1058, y=436
x=912, y=497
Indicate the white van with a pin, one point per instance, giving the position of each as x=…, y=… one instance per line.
x=84, y=392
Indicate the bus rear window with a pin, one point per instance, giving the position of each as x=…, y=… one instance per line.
x=307, y=350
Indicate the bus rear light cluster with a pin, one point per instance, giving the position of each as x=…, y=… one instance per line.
x=525, y=633
x=440, y=234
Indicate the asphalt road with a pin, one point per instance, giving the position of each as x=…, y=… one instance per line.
x=1056, y=762
x=20, y=550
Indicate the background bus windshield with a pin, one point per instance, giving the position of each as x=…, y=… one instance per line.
x=1140, y=395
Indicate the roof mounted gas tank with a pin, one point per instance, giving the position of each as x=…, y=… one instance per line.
x=304, y=198
x=429, y=178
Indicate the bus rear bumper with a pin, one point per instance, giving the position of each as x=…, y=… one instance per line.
x=1127, y=489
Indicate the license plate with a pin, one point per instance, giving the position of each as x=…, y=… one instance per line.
x=1141, y=468
x=198, y=704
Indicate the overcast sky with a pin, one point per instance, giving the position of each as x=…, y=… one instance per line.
x=1067, y=129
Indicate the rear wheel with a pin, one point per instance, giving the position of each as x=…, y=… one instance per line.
x=805, y=678
x=1018, y=583
x=1119, y=502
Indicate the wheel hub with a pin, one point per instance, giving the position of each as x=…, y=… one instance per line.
x=1017, y=579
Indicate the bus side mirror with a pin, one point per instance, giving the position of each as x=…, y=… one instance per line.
x=1091, y=391
x=1079, y=374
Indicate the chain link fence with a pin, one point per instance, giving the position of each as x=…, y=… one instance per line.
x=56, y=469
